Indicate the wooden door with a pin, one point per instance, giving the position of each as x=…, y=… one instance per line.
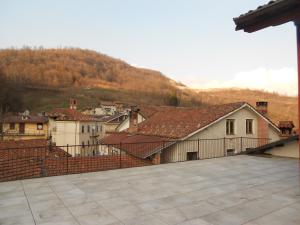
x=22, y=128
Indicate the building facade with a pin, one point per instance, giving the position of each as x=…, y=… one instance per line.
x=24, y=127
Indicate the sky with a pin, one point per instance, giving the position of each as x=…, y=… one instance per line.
x=190, y=41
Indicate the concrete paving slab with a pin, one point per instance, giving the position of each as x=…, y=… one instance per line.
x=233, y=190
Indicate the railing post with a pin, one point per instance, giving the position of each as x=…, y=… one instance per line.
x=241, y=144
x=68, y=158
x=224, y=146
x=198, y=148
x=120, y=155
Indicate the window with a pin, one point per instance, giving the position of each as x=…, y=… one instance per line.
x=97, y=129
x=82, y=129
x=230, y=127
x=39, y=126
x=82, y=144
x=12, y=126
x=88, y=143
x=88, y=128
x=249, y=126
x=191, y=156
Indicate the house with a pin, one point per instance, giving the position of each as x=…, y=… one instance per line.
x=286, y=128
x=80, y=132
x=221, y=127
x=104, y=108
x=24, y=127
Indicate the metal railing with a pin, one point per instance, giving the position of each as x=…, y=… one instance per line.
x=42, y=161
x=25, y=133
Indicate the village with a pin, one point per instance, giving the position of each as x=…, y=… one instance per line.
x=144, y=135
x=89, y=139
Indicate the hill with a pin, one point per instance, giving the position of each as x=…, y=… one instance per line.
x=40, y=79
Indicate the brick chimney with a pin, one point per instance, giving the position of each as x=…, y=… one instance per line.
x=73, y=103
x=133, y=119
x=262, y=107
x=262, y=124
x=286, y=128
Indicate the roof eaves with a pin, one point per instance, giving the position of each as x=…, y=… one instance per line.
x=272, y=14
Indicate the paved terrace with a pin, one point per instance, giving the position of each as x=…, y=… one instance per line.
x=234, y=190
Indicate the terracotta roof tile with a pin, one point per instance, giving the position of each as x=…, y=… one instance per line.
x=141, y=146
x=25, y=119
x=32, y=148
x=69, y=115
x=178, y=122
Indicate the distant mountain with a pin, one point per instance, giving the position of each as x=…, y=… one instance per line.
x=47, y=78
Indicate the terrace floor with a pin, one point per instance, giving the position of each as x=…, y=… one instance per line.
x=234, y=190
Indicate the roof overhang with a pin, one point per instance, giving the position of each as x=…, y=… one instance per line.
x=273, y=14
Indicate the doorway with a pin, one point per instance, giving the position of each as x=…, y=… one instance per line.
x=22, y=128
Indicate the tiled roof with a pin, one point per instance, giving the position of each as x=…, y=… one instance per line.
x=32, y=147
x=274, y=13
x=25, y=119
x=65, y=114
x=141, y=146
x=178, y=122
x=262, y=7
x=148, y=111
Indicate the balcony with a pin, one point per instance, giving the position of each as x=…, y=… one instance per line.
x=18, y=133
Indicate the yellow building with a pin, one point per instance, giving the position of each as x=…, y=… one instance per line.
x=25, y=127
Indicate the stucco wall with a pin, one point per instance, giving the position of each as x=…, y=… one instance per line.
x=288, y=150
x=30, y=132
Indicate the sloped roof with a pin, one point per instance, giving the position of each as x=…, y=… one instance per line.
x=141, y=146
x=31, y=148
x=66, y=114
x=148, y=111
x=25, y=119
x=178, y=122
x=271, y=14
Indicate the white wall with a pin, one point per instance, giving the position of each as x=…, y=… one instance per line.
x=70, y=133
x=290, y=150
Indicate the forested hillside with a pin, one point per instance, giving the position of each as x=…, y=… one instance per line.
x=41, y=79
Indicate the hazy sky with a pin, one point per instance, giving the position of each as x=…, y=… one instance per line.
x=191, y=41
